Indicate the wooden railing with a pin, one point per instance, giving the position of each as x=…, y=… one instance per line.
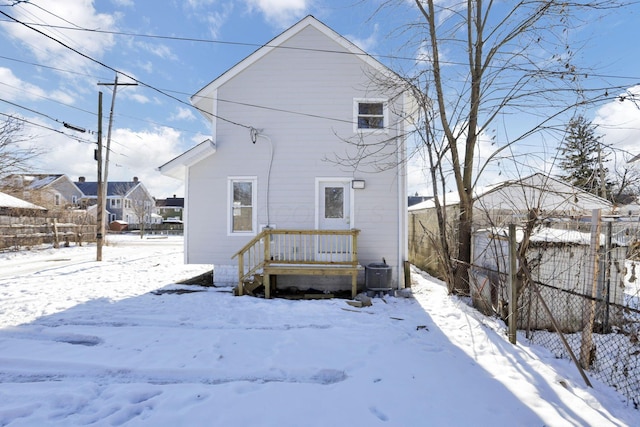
x=275, y=248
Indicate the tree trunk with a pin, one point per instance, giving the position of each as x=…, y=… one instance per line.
x=461, y=277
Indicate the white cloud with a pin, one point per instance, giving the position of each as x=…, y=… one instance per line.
x=13, y=88
x=367, y=44
x=146, y=66
x=66, y=13
x=196, y=4
x=133, y=153
x=125, y=3
x=619, y=122
x=160, y=50
x=141, y=153
x=281, y=13
x=183, y=113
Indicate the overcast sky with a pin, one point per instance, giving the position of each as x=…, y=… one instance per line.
x=176, y=47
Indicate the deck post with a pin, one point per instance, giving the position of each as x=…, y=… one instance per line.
x=267, y=286
x=240, y=274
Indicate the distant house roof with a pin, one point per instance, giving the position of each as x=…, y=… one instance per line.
x=30, y=181
x=117, y=188
x=10, y=202
x=556, y=193
x=170, y=202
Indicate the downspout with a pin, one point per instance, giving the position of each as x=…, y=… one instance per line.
x=402, y=197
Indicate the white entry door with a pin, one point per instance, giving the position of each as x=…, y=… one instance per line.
x=334, y=213
x=334, y=205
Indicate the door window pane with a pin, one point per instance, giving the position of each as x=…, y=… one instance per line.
x=334, y=202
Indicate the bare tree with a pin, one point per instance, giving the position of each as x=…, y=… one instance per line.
x=626, y=182
x=484, y=62
x=15, y=150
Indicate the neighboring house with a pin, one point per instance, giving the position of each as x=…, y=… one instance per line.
x=552, y=200
x=558, y=257
x=127, y=201
x=55, y=192
x=170, y=209
x=280, y=118
x=14, y=206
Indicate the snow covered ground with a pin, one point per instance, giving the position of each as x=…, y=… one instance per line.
x=88, y=343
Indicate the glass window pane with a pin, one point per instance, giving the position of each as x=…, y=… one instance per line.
x=241, y=194
x=370, y=122
x=370, y=108
x=334, y=202
x=242, y=219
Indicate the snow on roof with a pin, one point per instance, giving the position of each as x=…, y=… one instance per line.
x=7, y=201
x=40, y=181
x=550, y=193
x=554, y=235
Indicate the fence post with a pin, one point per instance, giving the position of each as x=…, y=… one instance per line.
x=589, y=313
x=513, y=292
x=56, y=238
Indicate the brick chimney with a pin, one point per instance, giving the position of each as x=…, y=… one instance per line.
x=81, y=179
x=135, y=179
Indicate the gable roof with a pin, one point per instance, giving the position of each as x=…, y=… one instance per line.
x=116, y=188
x=573, y=196
x=34, y=181
x=199, y=99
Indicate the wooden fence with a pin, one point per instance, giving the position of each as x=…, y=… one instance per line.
x=18, y=233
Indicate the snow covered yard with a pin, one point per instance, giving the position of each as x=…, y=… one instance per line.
x=87, y=343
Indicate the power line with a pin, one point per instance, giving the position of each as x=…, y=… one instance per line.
x=122, y=73
x=22, y=119
x=257, y=45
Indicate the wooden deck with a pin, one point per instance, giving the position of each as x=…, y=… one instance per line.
x=301, y=253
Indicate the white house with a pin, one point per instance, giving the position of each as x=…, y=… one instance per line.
x=303, y=138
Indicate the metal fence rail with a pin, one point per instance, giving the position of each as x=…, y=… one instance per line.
x=558, y=275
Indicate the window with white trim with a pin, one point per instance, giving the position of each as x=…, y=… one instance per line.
x=242, y=205
x=370, y=114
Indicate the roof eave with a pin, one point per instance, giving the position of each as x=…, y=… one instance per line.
x=176, y=168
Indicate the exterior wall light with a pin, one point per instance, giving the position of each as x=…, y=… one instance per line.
x=357, y=184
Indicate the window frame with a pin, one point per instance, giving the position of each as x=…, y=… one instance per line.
x=254, y=201
x=385, y=115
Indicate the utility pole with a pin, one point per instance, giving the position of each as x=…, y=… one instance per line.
x=106, y=162
x=98, y=156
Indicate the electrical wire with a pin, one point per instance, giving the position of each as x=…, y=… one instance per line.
x=140, y=82
x=22, y=119
x=257, y=46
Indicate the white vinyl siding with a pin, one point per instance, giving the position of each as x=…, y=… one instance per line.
x=292, y=152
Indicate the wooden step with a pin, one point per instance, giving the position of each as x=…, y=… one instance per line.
x=250, y=285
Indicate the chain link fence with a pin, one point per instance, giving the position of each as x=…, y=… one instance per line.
x=563, y=307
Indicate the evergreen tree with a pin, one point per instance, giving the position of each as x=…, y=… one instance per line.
x=583, y=158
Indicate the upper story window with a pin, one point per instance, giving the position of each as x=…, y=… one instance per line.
x=242, y=205
x=56, y=199
x=116, y=203
x=370, y=115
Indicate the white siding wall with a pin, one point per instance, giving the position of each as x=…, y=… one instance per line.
x=308, y=82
